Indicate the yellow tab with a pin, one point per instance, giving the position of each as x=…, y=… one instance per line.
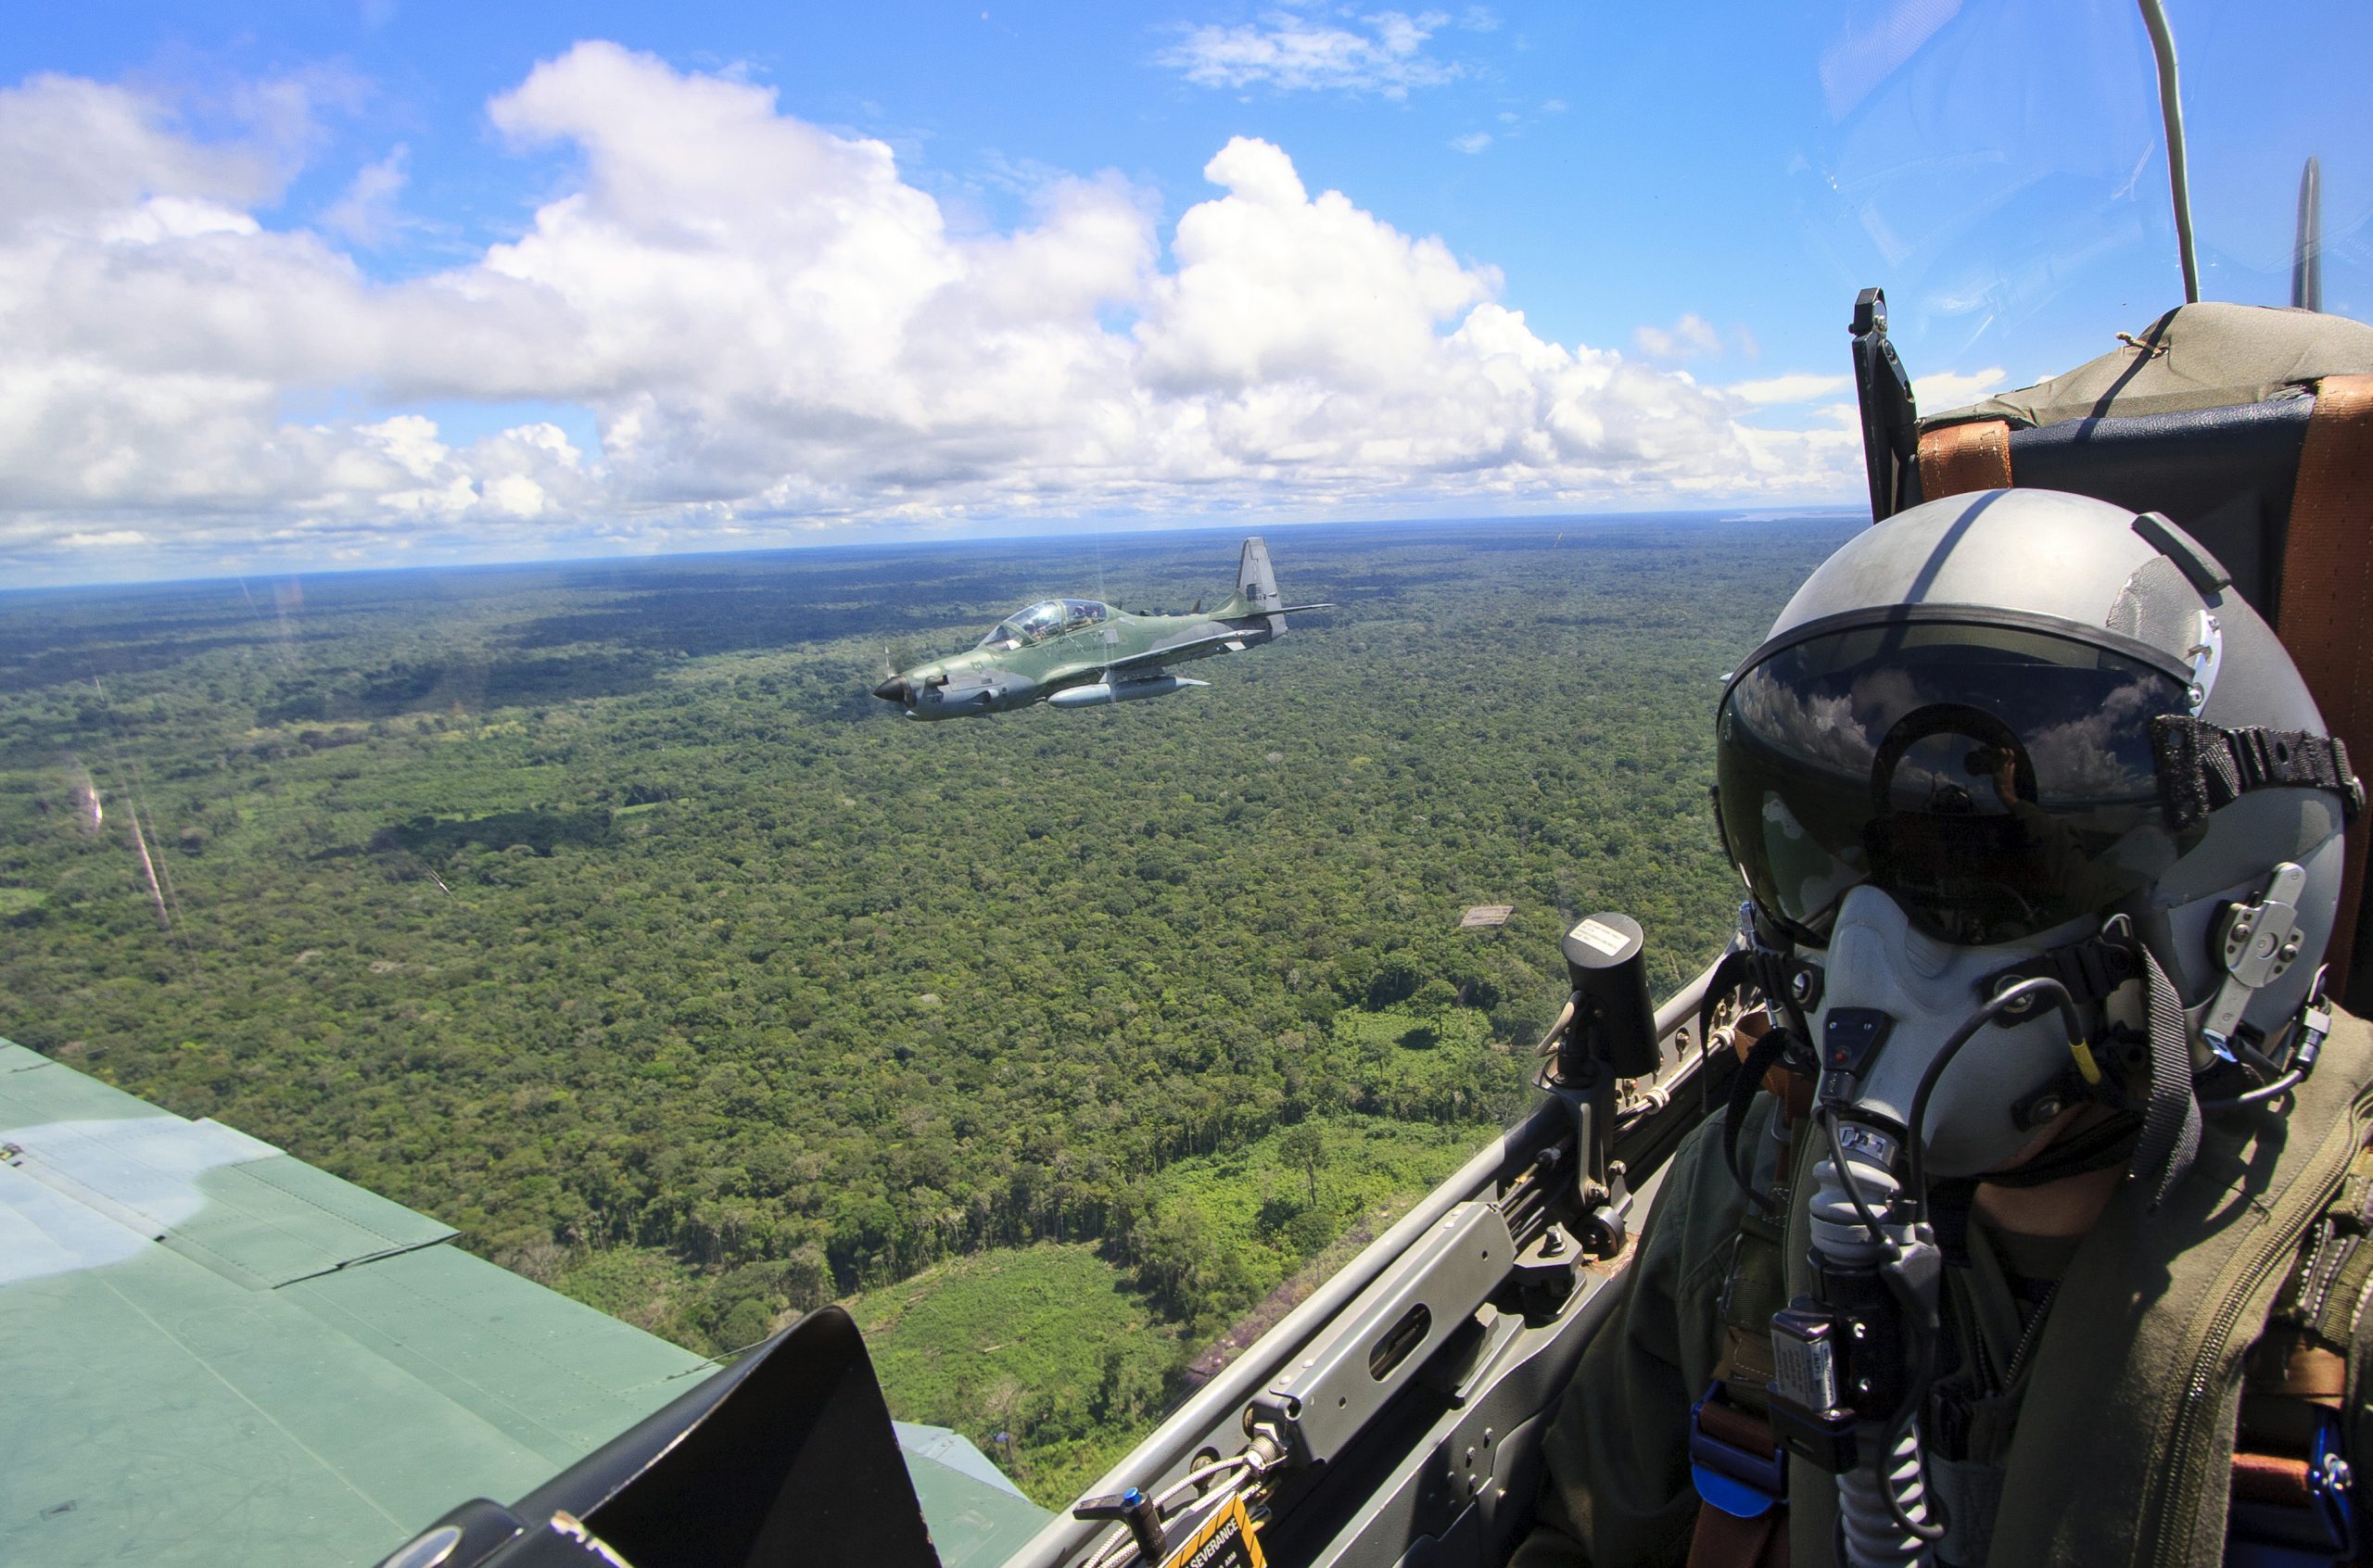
x=1226, y=1540
x=2090, y=1068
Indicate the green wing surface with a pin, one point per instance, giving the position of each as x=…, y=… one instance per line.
x=1192, y=648
x=214, y=1352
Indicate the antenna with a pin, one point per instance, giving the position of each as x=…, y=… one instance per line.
x=2308, y=255
x=2171, y=110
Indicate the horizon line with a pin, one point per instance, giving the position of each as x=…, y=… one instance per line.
x=1702, y=514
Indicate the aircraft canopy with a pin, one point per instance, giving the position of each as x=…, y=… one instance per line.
x=1042, y=620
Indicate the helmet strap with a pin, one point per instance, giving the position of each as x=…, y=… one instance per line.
x=2170, y=1137
x=2203, y=767
x=2096, y=1147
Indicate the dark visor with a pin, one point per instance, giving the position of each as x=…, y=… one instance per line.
x=1995, y=781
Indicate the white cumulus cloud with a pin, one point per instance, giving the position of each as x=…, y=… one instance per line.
x=1941, y=390
x=771, y=327
x=1800, y=388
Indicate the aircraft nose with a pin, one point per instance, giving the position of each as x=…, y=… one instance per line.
x=894, y=689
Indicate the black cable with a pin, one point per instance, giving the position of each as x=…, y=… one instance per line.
x=1923, y=1380
x=2283, y=1085
x=1915, y=1399
x=2257, y=1061
x=2005, y=1000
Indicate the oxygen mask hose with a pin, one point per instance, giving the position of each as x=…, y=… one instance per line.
x=1864, y=1232
x=1857, y=1359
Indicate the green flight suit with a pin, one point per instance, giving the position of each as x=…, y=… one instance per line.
x=2120, y=1447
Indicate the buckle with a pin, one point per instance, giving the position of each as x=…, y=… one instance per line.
x=2272, y=1535
x=1737, y=1480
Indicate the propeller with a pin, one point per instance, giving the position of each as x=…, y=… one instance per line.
x=893, y=687
x=2307, y=250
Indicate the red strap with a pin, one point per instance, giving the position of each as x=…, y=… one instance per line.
x=1740, y=1429
x=2327, y=602
x=2270, y=1478
x=1724, y=1540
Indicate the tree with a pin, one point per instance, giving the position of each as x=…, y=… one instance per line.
x=1305, y=1146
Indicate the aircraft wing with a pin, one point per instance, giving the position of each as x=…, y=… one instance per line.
x=238, y=1357
x=1193, y=648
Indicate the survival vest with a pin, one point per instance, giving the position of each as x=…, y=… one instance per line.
x=2292, y=1488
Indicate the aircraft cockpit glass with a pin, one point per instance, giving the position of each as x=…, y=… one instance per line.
x=1036, y=624
x=1078, y=613
x=1040, y=621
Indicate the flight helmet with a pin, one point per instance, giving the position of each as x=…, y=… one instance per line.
x=2023, y=732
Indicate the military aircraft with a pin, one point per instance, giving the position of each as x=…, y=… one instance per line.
x=1083, y=653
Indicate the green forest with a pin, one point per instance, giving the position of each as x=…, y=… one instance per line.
x=598, y=910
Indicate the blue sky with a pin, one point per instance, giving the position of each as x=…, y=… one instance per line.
x=340, y=284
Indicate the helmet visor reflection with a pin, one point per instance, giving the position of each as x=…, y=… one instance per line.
x=1995, y=782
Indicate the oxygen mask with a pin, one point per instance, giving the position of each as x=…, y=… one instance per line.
x=1893, y=997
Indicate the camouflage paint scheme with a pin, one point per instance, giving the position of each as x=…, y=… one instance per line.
x=1081, y=653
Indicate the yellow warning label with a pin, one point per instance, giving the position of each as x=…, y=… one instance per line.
x=1227, y=1540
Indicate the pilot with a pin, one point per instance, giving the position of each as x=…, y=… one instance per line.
x=2047, y=1240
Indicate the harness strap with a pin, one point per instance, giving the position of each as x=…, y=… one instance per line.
x=2106, y=1143
x=1737, y=1466
x=2202, y=766
x=1724, y=1540
x=1960, y=458
x=2328, y=598
x=2270, y=1478
x=1761, y=1058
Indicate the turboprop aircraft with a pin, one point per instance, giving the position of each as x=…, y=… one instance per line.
x=1085, y=653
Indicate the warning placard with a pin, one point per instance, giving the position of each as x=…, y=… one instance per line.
x=1225, y=1541
x=1604, y=937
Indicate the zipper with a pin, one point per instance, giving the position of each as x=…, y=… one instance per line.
x=2028, y=1336
x=2272, y=1249
x=1965, y=1318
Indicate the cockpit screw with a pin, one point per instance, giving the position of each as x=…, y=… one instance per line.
x=1800, y=986
x=2043, y=1110
x=2021, y=1007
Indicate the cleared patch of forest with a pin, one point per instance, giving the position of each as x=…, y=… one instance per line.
x=599, y=911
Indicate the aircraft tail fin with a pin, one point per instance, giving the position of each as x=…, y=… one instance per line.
x=1256, y=593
